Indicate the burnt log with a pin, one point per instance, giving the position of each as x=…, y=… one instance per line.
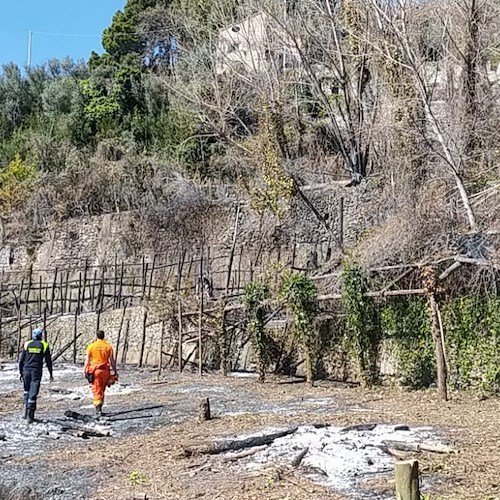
x=222, y=445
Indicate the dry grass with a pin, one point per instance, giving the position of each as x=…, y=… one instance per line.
x=153, y=466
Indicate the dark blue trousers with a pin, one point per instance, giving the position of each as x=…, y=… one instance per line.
x=32, y=380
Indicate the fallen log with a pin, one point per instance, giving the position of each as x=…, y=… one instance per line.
x=359, y=427
x=246, y=453
x=223, y=445
x=89, y=431
x=298, y=459
x=418, y=447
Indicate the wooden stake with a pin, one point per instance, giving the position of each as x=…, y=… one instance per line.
x=143, y=339
x=204, y=413
x=75, y=335
x=179, y=308
x=120, y=330
x=200, y=320
x=19, y=330
x=162, y=335
x=406, y=479
x=52, y=296
x=26, y=302
x=61, y=297
x=341, y=223
x=151, y=276
x=125, y=343
x=40, y=295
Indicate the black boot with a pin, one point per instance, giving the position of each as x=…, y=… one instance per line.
x=98, y=410
x=25, y=416
x=31, y=416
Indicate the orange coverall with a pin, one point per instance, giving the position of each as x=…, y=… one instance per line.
x=99, y=354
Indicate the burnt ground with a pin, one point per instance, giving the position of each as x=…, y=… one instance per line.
x=143, y=457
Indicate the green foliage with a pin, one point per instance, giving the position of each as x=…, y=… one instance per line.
x=16, y=184
x=405, y=323
x=301, y=296
x=472, y=326
x=279, y=186
x=362, y=321
x=255, y=296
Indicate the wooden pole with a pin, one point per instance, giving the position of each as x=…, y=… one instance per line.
x=115, y=281
x=179, y=309
x=75, y=334
x=151, y=276
x=120, y=289
x=84, y=285
x=200, y=320
x=61, y=296
x=66, y=303
x=120, y=330
x=162, y=335
x=19, y=329
x=341, y=223
x=125, y=343
x=30, y=279
x=53, y=292
x=406, y=479
x=143, y=340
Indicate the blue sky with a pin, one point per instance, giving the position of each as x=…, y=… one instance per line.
x=87, y=17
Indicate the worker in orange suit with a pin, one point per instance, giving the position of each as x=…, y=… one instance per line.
x=98, y=365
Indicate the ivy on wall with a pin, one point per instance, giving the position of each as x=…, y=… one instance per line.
x=362, y=321
x=472, y=327
x=405, y=323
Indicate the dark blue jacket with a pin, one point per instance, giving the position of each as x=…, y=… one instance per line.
x=34, y=352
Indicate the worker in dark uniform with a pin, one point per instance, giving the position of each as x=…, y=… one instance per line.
x=35, y=351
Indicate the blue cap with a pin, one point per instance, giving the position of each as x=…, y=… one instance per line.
x=37, y=334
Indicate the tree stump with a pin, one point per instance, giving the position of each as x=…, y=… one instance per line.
x=204, y=410
x=406, y=479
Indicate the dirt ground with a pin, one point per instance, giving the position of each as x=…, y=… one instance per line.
x=147, y=459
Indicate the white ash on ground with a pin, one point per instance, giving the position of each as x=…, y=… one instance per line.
x=338, y=458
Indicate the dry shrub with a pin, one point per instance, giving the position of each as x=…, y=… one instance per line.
x=416, y=234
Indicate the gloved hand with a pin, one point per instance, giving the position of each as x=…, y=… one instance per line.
x=51, y=379
x=21, y=378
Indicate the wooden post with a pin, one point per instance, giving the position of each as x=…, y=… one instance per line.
x=115, y=281
x=143, y=340
x=67, y=304
x=406, y=479
x=162, y=335
x=341, y=222
x=19, y=329
x=200, y=320
x=125, y=343
x=75, y=335
x=45, y=322
x=151, y=276
x=61, y=297
x=40, y=295
x=120, y=289
x=84, y=286
x=52, y=296
x=30, y=279
x=120, y=331
x=92, y=291
x=179, y=308
x=205, y=410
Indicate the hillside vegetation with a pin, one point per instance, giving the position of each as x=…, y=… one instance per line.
x=402, y=97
